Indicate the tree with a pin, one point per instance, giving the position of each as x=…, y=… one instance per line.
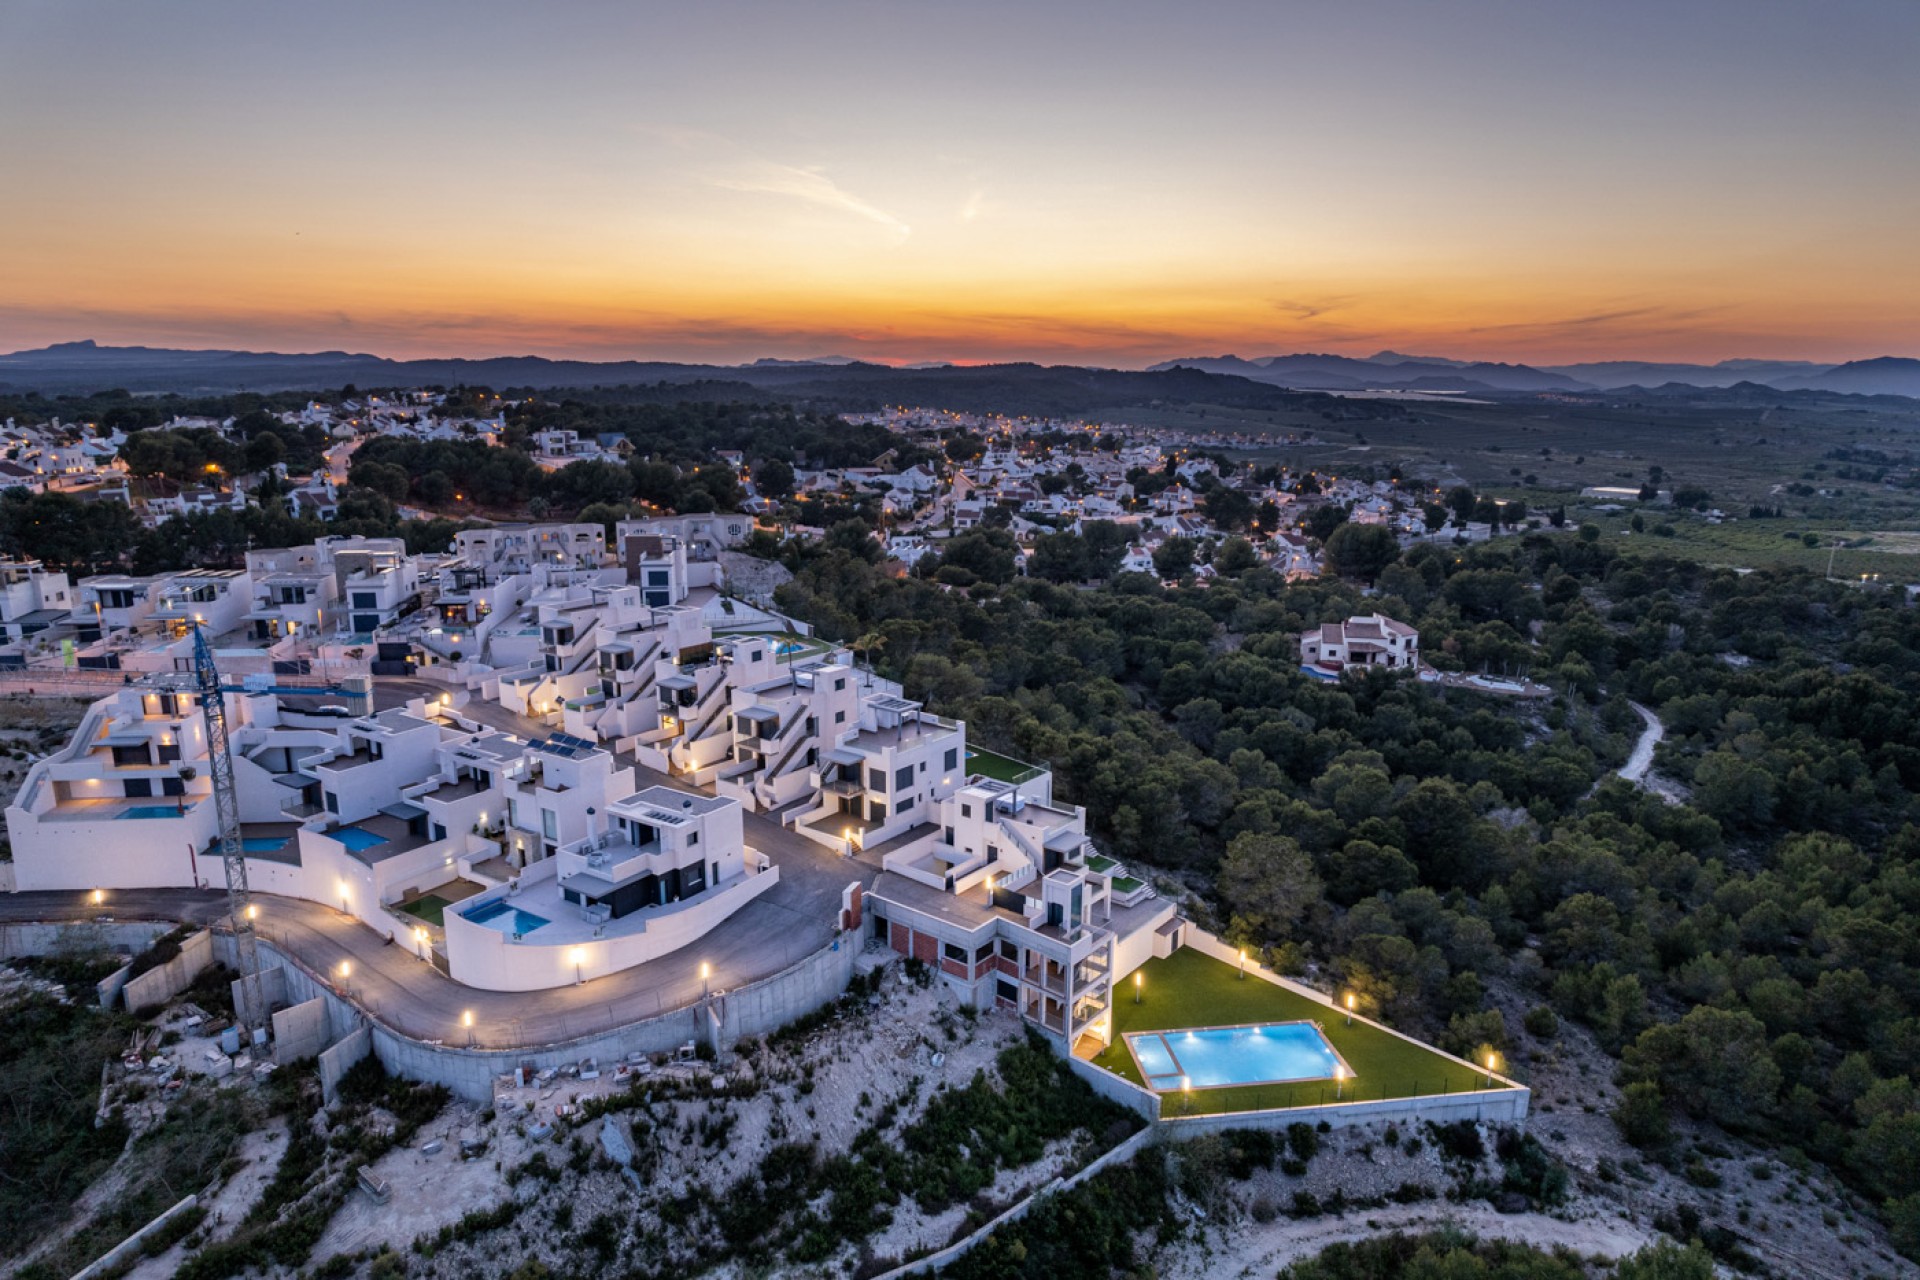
x=1267, y=884
x=1322, y=521
x=773, y=477
x=1236, y=555
x=1174, y=557
x=263, y=451
x=1641, y=1115
x=1361, y=550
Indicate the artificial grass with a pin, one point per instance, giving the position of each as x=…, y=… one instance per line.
x=431, y=907
x=1189, y=989
x=996, y=766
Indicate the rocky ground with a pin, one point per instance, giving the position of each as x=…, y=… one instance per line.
x=30, y=727
x=1792, y=1222
x=706, y=1125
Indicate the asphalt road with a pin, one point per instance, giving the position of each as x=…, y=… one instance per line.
x=785, y=924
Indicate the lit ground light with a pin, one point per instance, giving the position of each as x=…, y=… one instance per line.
x=1188, y=989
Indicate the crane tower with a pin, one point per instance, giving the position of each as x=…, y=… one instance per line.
x=226, y=806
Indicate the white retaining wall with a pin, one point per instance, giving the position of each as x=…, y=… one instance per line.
x=1111, y=1087
x=157, y=986
x=753, y=1010
x=1498, y=1106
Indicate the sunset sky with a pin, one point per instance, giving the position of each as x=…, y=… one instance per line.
x=1538, y=180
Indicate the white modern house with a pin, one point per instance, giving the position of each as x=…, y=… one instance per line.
x=1008, y=901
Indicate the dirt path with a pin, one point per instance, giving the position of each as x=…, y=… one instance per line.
x=1250, y=1250
x=1641, y=761
x=261, y=1151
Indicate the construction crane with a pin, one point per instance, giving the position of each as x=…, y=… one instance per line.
x=250, y=1010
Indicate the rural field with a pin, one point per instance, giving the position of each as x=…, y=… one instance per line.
x=1837, y=468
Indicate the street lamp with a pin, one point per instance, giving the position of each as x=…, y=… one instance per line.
x=346, y=970
x=1493, y=1060
x=99, y=896
x=579, y=956
x=706, y=972
x=1349, y=1008
x=1243, y=963
x=1138, y=977
x=1339, y=1081
x=466, y=1020
x=253, y=912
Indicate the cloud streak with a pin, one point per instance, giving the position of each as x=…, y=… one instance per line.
x=809, y=186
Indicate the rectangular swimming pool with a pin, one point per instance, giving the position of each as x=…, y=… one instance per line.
x=355, y=839
x=154, y=811
x=1217, y=1057
x=504, y=916
x=262, y=844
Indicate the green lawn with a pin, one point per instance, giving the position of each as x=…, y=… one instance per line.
x=996, y=766
x=430, y=907
x=1188, y=989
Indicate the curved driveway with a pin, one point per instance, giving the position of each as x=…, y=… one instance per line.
x=779, y=928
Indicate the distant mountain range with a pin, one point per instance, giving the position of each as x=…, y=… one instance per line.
x=1056, y=390
x=86, y=366
x=1391, y=371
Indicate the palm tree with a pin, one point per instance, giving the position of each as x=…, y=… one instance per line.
x=187, y=774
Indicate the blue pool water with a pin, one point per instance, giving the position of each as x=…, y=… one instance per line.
x=1209, y=1057
x=356, y=839
x=262, y=844
x=782, y=648
x=504, y=916
x=152, y=811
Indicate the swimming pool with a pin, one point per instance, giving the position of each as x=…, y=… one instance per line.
x=154, y=811
x=504, y=916
x=355, y=839
x=262, y=844
x=1215, y=1057
x=783, y=648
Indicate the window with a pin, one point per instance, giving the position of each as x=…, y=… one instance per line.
x=966, y=811
x=947, y=834
x=904, y=805
x=137, y=787
x=839, y=717
x=903, y=778
x=993, y=853
x=1008, y=951
x=952, y=952
x=953, y=759
x=923, y=766
x=172, y=787
x=331, y=800
x=549, y=824
x=876, y=779
x=365, y=600
x=984, y=954
x=1006, y=990
x=693, y=838
x=439, y=832
x=169, y=752
x=840, y=684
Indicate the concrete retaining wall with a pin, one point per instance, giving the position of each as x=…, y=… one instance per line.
x=157, y=986
x=1498, y=1106
x=131, y=937
x=1111, y=1087
x=127, y=1250
x=273, y=989
x=301, y=1031
x=752, y=1010
x=342, y=1058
